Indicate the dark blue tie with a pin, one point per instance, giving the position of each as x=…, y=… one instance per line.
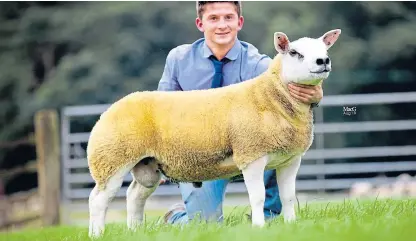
x=218, y=76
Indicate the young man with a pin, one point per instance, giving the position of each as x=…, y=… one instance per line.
x=219, y=59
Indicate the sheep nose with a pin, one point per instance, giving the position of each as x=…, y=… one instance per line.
x=321, y=61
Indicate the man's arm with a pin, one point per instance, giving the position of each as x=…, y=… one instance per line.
x=305, y=93
x=169, y=81
x=262, y=66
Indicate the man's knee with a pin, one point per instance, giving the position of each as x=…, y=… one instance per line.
x=205, y=202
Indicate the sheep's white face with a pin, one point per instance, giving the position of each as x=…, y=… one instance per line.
x=306, y=60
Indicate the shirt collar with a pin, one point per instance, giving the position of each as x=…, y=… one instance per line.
x=231, y=55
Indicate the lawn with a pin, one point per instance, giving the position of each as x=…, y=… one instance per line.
x=350, y=220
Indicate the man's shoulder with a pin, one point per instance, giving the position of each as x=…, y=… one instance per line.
x=183, y=51
x=252, y=53
x=255, y=61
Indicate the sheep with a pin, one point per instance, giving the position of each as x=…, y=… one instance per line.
x=411, y=187
x=199, y=135
x=361, y=189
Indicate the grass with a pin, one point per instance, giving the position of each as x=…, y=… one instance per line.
x=349, y=220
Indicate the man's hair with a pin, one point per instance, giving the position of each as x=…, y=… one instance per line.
x=200, y=6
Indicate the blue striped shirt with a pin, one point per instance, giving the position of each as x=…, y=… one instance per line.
x=188, y=66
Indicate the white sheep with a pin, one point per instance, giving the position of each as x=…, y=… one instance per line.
x=194, y=136
x=361, y=189
x=411, y=187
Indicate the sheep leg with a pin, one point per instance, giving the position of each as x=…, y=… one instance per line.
x=286, y=179
x=146, y=178
x=137, y=195
x=254, y=181
x=99, y=200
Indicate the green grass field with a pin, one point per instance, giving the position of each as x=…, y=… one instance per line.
x=349, y=220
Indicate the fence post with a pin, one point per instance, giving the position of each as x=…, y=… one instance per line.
x=48, y=157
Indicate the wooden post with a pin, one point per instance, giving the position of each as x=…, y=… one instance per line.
x=48, y=156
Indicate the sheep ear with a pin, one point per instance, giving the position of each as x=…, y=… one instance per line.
x=281, y=42
x=330, y=37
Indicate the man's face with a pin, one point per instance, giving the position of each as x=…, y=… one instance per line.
x=220, y=23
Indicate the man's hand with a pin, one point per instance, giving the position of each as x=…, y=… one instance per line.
x=307, y=94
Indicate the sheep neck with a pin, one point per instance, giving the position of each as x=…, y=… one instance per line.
x=270, y=89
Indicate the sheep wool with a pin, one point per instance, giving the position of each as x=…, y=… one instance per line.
x=202, y=134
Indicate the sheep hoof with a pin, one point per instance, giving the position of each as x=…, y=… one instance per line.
x=258, y=224
x=96, y=230
x=197, y=184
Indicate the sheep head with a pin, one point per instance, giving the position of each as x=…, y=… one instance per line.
x=306, y=60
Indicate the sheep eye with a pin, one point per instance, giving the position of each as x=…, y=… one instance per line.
x=293, y=52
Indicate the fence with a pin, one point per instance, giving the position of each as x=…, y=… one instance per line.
x=20, y=210
x=39, y=206
x=314, y=170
